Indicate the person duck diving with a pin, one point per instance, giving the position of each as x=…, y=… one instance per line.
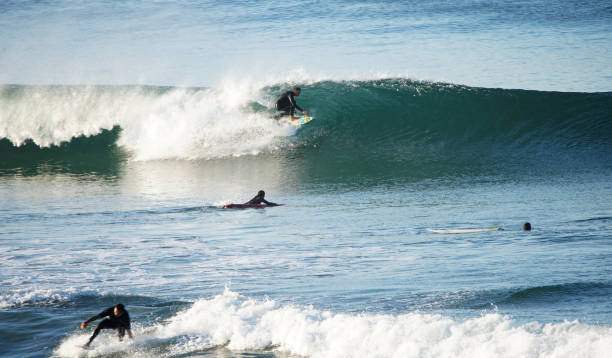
x=286, y=105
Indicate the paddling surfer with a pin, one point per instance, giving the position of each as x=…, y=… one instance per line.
x=117, y=318
x=286, y=105
x=259, y=199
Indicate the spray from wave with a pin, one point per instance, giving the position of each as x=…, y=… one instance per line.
x=155, y=122
x=239, y=323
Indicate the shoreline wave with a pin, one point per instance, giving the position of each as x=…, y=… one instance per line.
x=242, y=324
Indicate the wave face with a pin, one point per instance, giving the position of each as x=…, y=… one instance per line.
x=407, y=126
x=394, y=125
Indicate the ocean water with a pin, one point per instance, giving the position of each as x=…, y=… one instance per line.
x=126, y=126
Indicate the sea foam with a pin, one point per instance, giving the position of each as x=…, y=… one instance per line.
x=36, y=296
x=156, y=122
x=244, y=324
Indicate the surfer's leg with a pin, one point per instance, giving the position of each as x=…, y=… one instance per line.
x=121, y=333
x=96, y=332
x=105, y=324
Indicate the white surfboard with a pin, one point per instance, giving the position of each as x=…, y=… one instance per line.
x=461, y=231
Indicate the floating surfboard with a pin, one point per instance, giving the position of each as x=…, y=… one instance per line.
x=462, y=231
x=243, y=206
x=300, y=121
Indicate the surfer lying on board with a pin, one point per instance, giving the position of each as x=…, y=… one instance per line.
x=259, y=199
x=285, y=103
x=118, y=318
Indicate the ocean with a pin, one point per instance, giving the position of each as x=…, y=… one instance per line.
x=125, y=127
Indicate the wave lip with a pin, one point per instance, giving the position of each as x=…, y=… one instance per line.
x=552, y=293
x=243, y=324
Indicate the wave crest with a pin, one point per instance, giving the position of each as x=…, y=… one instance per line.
x=244, y=324
x=387, y=121
x=155, y=122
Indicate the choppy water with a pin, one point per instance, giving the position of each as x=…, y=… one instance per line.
x=114, y=193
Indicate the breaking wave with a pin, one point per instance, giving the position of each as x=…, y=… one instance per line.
x=235, y=322
x=375, y=125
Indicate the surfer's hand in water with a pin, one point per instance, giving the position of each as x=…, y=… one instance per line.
x=304, y=112
x=83, y=325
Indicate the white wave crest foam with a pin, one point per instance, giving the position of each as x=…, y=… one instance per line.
x=36, y=297
x=244, y=324
x=156, y=123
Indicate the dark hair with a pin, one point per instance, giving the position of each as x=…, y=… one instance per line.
x=261, y=193
x=120, y=307
x=526, y=226
x=297, y=89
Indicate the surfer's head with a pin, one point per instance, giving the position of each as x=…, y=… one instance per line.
x=526, y=226
x=296, y=91
x=261, y=194
x=119, y=310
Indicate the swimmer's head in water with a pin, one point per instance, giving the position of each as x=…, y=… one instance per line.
x=526, y=226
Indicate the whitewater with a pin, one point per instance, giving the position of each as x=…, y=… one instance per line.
x=156, y=123
x=237, y=323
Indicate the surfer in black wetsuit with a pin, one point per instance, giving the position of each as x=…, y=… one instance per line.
x=285, y=103
x=118, y=318
x=259, y=199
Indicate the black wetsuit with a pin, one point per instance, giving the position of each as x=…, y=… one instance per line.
x=120, y=323
x=260, y=200
x=285, y=103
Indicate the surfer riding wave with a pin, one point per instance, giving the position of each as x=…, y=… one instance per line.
x=286, y=105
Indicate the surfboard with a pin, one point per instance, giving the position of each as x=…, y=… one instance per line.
x=300, y=121
x=243, y=206
x=461, y=231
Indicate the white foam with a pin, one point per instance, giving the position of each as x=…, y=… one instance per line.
x=244, y=324
x=36, y=296
x=178, y=123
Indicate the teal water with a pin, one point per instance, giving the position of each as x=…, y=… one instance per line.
x=125, y=128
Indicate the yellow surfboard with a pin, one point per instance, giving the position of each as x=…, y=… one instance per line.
x=301, y=121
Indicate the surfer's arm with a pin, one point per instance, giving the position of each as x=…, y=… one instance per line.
x=105, y=313
x=91, y=319
x=268, y=203
x=292, y=100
